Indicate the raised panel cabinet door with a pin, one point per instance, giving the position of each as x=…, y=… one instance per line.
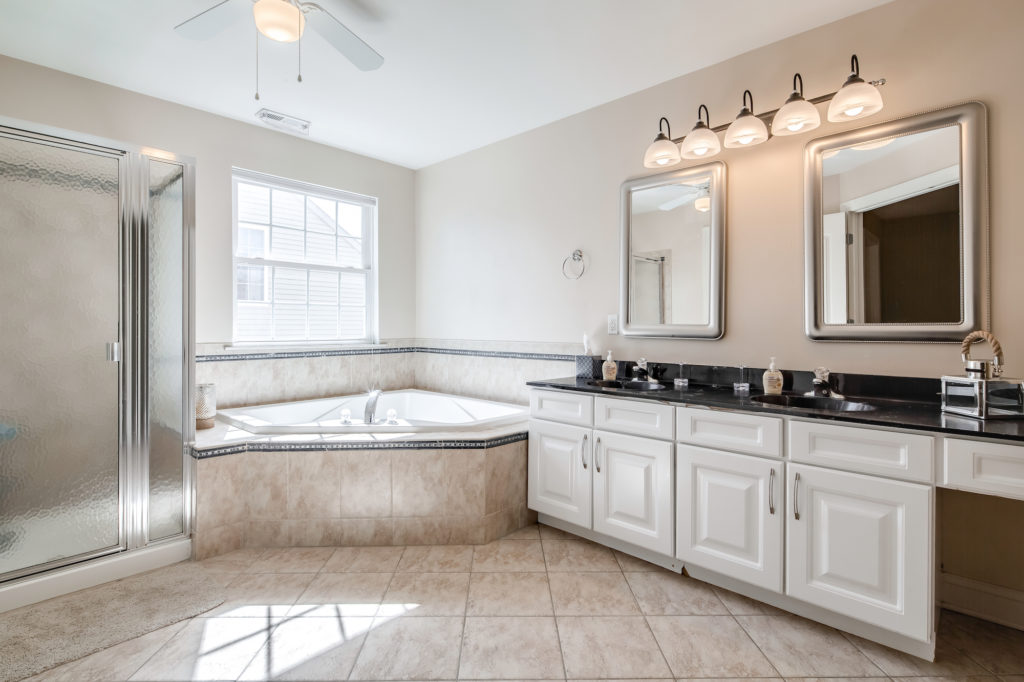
x=559, y=471
x=861, y=546
x=633, y=490
x=730, y=514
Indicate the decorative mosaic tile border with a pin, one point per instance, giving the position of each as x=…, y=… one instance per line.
x=283, y=355
x=362, y=445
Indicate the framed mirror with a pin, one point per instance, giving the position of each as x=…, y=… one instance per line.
x=896, y=229
x=672, y=270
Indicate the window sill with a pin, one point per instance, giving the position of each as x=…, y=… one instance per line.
x=265, y=347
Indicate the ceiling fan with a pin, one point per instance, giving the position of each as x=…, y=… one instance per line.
x=285, y=21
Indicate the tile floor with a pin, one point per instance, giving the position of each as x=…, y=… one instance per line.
x=536, y=605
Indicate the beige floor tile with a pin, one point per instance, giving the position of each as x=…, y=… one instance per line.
x=592, y=594
x=669, y=594
x=740, y=605
x=437, y=559
x=292, y=560
x=853, y=679
x=708, y=646
x=310, y=649
x=364, y=560
x=411, y=649
x=350, y=594
x=426, y=594
x=260, y=595
x=798, y=647
x=207, y=649
x=949, y=661
x=509, y=594
x=530, y=532
x=118, y=662
x=511, y=648
x=609, y=647
x=996, y=648
x=517, y=556
x=577, y=555
x=749, y=679
x=233, y=562
x=633, y=564
x=551, y=533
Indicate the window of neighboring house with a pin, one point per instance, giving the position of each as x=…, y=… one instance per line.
x=304, y=262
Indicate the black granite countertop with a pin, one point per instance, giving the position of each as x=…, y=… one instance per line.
x=920, y=415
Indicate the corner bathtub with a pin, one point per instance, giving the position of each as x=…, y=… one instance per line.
x=417, y=412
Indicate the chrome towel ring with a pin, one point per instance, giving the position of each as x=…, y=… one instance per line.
x=577, y=258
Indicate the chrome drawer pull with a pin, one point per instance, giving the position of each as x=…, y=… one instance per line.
x=597, y=455
x=796, y=496
x=583, y=451
x=771, y=492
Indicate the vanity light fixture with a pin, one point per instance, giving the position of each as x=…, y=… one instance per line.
x=279, y=20
x=797, y=115
x=702, y=142
x=663, y=151
x=747, y=130
x=856, y=99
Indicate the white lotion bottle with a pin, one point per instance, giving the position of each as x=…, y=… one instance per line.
x=609, y=369
x=772, y=380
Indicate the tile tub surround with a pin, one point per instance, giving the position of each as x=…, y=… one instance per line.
x=394, y=493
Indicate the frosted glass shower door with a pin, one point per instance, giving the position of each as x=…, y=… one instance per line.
x=60, y=282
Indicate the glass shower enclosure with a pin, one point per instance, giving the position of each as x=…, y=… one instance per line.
x=96, y=252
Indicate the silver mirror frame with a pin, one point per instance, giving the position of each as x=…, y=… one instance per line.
x=715, y=327
x=974, y=266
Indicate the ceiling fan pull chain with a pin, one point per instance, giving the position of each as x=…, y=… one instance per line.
x=300, y=60
x=257, y=65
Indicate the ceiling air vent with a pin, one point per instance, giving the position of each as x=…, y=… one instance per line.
x=281, y=121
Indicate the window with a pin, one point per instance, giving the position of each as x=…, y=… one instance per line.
x=304, y=262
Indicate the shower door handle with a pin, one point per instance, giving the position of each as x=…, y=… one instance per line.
x=114, y=351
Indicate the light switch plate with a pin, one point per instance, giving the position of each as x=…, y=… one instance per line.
x=613, y=324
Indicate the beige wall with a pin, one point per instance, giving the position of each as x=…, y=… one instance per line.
x=39, y=95
x=493, y=225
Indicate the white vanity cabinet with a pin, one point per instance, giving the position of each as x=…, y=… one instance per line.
x=861, y=546
x=612, y=479
x=729, y=516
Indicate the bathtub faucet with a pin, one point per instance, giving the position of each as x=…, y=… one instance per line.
x=371, y=406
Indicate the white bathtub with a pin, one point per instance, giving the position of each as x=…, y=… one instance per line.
x=416, y=411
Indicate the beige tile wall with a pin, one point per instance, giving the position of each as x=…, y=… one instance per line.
x=359, y=497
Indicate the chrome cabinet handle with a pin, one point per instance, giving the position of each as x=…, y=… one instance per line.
x=771, y=492
x=597, y=455
x=796, y=496
x=583, y=451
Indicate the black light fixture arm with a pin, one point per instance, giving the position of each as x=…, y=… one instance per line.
x=707, y=116
x=797, y=78
x=747, y=94
x=668, y=127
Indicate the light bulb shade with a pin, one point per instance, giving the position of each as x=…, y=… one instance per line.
x=662, y=152
x=796, y=116
x=701, y=143
x=702, y=204
x=856, y=99
x=279, y=20
x=746, y=131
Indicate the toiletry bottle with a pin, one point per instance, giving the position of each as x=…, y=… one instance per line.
x=772, y=380
x=609, y=369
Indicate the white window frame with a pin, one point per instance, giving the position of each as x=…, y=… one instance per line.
x=369, y=243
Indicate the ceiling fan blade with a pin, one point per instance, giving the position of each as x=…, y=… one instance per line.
x=209, y=22
x=344, y=41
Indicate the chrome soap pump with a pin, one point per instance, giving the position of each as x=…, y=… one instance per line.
x=982, y=394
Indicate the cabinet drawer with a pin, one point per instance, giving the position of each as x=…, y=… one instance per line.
x=754, y=434
x=639, y=418
x=864, y=450
x=993, y=468
x=562, y=406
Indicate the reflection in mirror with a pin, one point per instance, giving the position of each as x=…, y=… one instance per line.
x=895, y=229
x=672, y=249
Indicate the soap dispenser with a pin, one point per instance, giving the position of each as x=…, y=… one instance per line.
x=609, y=369
x=772, y=380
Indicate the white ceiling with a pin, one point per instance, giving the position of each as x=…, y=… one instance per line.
x=457, y=75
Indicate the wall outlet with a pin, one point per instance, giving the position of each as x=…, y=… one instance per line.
x=613, y=324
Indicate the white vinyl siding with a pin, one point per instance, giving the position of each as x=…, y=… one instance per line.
x=304, y=262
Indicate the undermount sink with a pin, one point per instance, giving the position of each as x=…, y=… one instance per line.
x=809, y=402
x=628, y=385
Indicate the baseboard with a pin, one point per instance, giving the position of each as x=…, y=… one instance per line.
x=982, y=600
x=91, y=573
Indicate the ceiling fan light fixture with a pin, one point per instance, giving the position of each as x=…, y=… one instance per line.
x=702, y=204
x=279, y=20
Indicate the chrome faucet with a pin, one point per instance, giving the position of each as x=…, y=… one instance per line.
x=371, y=405
x=640, y=370
x=822, y=385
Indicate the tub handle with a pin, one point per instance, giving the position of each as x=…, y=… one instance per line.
x=597, y=455
x=583, y=451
